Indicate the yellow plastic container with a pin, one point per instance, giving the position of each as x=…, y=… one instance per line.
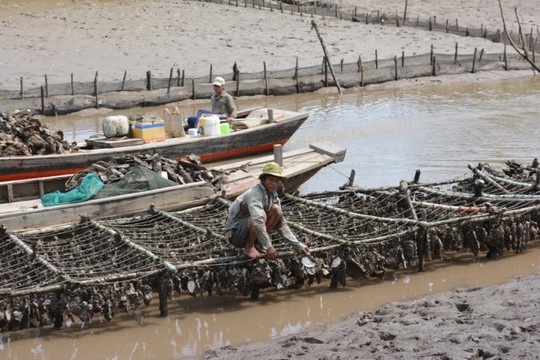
x=149, y=131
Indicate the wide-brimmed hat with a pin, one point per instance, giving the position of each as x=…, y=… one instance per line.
x=273, y=169
x=219, y=81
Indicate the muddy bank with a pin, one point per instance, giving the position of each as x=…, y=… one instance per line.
x=499, y=322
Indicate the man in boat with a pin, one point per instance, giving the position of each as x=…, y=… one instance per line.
x=256, y=213
x=222, y=101
x=222, y=104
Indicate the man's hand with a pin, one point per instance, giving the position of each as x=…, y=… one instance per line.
x=306, y=251
x=230, y=119
x=271, y=253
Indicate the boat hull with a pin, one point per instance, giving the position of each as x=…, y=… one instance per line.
x=21, y=208
x=208, y=148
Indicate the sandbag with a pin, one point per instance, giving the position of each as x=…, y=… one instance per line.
x=115, y=125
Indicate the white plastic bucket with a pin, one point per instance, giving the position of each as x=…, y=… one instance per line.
x=209, y=125
x=192, y=132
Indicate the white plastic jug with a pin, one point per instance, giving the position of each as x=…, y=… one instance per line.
x=209, y=125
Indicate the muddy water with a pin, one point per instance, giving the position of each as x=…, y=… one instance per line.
x=388, y=133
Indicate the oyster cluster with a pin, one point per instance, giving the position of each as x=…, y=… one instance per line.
x=73, y=305
x=179, y=172
x=22, y=133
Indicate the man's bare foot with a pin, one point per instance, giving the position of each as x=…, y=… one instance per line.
x=252, y=253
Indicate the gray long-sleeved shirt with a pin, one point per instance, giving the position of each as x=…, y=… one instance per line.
x=255, y=202
x=224, y=104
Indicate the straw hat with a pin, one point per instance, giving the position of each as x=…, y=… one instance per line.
x=273, y=169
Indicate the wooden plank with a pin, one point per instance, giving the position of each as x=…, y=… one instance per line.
x=329, y=148
x=174, y=197
x=104, y=143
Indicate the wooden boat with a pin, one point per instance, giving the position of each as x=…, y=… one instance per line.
x=244, y=142
x=21, y=207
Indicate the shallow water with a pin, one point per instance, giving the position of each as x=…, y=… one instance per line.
x=388, y=133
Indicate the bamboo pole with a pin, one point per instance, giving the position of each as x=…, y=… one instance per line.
x=354, y=214
x=168, y=266
x=485, y=197
x=488, y=179
x=314, y=26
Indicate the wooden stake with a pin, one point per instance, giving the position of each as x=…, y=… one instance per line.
x=474, y=61
x=96, y=90
x=21, y=82
x=149, y=80
x=46, y=86
x=124, y=80
x=170, y=81
x=405, y=12
x=73, y=87
x=278, y=152
x=42, y=93
x=505, y=58
x=238, y=83
x=296, y=77
x=265, y=79
x=361, y=71
x=395, y=68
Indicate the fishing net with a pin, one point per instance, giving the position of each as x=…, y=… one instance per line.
x=137, y=179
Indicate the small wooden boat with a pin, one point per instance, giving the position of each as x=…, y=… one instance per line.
x=21, y=207
x=247, y=141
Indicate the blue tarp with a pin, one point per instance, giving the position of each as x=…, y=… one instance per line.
x=90, y=186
